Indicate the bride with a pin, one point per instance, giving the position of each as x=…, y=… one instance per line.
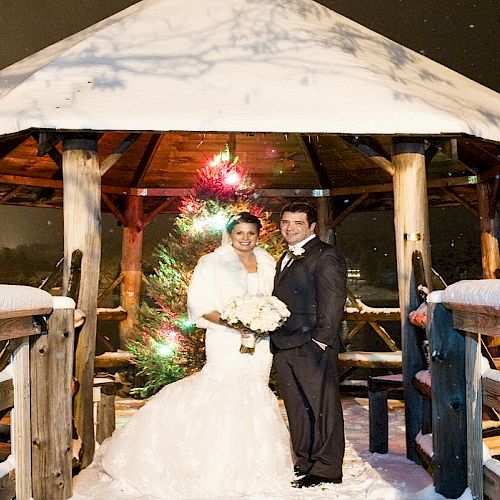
x=219, y=432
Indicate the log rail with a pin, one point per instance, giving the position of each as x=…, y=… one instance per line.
x=462, y=383
x=36, y=383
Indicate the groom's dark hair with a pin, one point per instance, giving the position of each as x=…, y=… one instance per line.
x=300, y=206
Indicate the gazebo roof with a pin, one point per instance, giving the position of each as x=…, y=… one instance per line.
x=307, y=98
x=240, y=65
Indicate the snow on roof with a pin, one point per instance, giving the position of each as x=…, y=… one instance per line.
x=240, y=65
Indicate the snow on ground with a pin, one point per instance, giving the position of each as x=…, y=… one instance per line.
x=367, y=475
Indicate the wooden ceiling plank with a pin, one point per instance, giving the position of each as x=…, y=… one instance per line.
x=113, y=209
x=119, y=151
x=146, y=160
x=461, y=200
x=11, y=144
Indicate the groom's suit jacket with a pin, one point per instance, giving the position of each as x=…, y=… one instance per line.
x=314, y=289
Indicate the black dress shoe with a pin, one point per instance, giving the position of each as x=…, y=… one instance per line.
x=298, y=471
x=310, y=480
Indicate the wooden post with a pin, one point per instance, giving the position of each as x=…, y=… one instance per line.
x=82, y=230
x=489, y=233
x=474, y=411
x=51, y=412
x=449, y=414
x=324, y=227
x=412, y=233
x=489, y=226
x=131, y=266
x=21, y=419
x=106, y=419
x=378, y=421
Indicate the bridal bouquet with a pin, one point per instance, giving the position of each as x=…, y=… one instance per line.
x=259, y=313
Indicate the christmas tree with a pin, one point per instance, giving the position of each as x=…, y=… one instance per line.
x=168, y=346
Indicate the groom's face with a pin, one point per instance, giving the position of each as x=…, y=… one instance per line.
x=295, y=228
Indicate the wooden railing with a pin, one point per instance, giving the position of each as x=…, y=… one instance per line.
x=40, y=337
x=457, y=317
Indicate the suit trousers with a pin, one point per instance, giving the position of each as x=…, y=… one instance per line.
x=308, y=382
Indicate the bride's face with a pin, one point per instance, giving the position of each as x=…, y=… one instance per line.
x=244, y=236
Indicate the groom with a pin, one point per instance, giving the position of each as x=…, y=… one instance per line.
x=311, y=281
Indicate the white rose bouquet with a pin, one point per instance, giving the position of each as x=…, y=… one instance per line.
x=259, y=313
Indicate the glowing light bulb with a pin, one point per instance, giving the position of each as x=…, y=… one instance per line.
x=218, y=221
x=165, y=350
x=232, y=178
x=199, y=224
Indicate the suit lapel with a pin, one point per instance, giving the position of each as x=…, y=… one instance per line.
x=279, y=272
x=307, y=247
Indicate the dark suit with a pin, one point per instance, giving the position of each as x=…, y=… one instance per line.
x=314, y=289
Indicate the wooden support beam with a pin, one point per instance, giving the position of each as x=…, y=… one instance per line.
x=46, y=141
x=146, y=159
x=379, y=160
x=82, y=231
x=119, y=151
x=412, y=233
x=462, y=201
x=264, y=193
x=131, y=267
x=315, y=161
x=349, y=209
x=10, y=194
x=113, y=208
x=109, y=289
x=156, y=211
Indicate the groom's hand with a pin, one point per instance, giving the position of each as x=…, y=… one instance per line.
x=323, y=346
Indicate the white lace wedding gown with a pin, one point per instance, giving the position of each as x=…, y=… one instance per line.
x=215, y=434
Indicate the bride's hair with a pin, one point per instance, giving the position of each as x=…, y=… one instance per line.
x=243, y=217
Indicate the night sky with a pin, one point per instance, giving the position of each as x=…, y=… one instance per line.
x=462, y=35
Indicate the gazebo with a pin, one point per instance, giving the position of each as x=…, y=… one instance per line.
x=315, y=105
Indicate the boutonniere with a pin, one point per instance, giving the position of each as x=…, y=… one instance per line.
x=296, y=253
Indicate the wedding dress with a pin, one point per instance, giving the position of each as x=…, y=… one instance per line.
x=216, y=434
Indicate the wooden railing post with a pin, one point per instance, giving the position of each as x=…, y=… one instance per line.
x=449, y=422
x=21, y=419
x=52, y=366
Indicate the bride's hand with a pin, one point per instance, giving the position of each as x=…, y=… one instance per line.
x=246, y=333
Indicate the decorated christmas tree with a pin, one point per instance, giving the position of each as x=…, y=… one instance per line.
x=168, y=346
